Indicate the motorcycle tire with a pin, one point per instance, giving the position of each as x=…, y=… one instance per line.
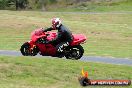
x=25, y=50
x=73, y=50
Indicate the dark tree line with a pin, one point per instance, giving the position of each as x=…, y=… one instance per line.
x=17, y=4
x=25, y=4
x=22, y=4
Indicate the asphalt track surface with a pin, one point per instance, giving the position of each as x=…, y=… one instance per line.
x=109, y=60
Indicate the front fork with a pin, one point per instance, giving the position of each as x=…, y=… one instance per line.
x=32, y=45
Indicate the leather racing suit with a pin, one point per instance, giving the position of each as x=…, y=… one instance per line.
x=64, y=37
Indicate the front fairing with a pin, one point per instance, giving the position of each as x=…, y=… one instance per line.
x=36, y=34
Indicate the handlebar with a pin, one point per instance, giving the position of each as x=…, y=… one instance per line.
x=43, y=39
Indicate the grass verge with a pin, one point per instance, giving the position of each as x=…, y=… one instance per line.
x=36, y=72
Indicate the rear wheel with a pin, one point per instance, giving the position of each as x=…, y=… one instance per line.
x=27, y=51
x=74, y=52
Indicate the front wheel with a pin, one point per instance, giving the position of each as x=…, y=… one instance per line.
x=27, y=51
x=74, y=52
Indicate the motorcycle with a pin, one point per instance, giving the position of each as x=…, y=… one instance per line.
x=38, y=44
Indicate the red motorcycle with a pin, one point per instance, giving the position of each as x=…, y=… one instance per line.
x=38, y=44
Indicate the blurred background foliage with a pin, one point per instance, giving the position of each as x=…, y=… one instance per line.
x=47, y=5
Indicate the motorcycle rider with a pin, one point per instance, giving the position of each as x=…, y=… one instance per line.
x=64, y=35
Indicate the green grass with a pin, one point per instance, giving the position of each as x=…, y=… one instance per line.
x=93, y=6
x=108, y=34
x=36, y=72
